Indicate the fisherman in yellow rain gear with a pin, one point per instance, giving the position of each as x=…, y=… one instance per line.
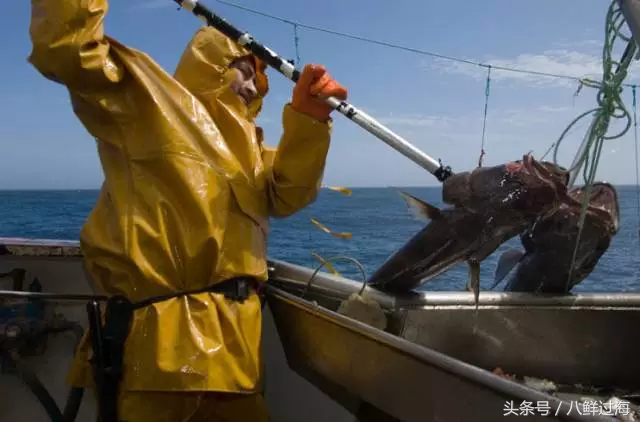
x=189, y=188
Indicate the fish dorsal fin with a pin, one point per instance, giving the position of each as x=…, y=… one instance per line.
x=506, y=262
x=420, y=209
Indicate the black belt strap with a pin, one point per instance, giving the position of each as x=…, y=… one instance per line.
x=234, y=289
x=108, y=341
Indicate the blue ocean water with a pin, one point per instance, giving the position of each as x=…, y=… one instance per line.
x=377, y=217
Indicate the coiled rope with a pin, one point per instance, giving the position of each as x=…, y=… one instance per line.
x=608, y=97
x=610, y=105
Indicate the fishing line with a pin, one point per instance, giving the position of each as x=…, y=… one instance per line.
x=587, y=82
x=296, y=40
x=635, y=137
x=487, y=90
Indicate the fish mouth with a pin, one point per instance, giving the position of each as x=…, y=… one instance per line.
x=549, y=173
x=543, y=186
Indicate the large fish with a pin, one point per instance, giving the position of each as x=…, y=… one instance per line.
x=546, y=261
x=490, y=206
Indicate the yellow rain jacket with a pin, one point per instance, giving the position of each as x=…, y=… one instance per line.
x=189, y=188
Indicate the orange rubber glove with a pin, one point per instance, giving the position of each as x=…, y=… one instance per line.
x=313, y=85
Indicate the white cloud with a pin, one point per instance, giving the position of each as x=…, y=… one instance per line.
x=510, y=132
x=153, y=4
x=583, y=63
x=513, y=129
x=508, y=117
x=554, y=109
x=524, y=120
x=415, y=120
x=591, y=44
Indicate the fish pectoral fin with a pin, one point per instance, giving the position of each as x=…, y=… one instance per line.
x=420, y=209
x=506, y=262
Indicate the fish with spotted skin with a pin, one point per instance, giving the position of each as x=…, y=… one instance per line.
x=490, y=205
x=546, y=262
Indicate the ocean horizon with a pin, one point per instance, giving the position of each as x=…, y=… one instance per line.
x=377, y=218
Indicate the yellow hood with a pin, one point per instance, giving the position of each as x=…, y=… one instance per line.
x=204, y=71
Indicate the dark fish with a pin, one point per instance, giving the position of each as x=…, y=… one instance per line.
x=545, y=263
x=490, y=206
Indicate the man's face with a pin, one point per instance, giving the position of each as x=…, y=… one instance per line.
x=245, y=82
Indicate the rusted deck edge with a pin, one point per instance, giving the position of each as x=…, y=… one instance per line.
x=19, y=246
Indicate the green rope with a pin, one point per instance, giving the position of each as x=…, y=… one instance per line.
x=610, y=105
x=487, y=91
x=608, y=97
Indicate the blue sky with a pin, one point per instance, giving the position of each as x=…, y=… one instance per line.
x=435, y=104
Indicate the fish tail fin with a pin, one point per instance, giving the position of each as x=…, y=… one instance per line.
x=506, y=262
x=421, y=209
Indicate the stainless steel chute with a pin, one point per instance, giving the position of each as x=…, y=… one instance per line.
x=432, y=364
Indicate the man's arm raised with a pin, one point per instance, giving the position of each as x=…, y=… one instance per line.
x=69, y=46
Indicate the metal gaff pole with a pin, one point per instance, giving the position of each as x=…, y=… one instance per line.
x=365, y=121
